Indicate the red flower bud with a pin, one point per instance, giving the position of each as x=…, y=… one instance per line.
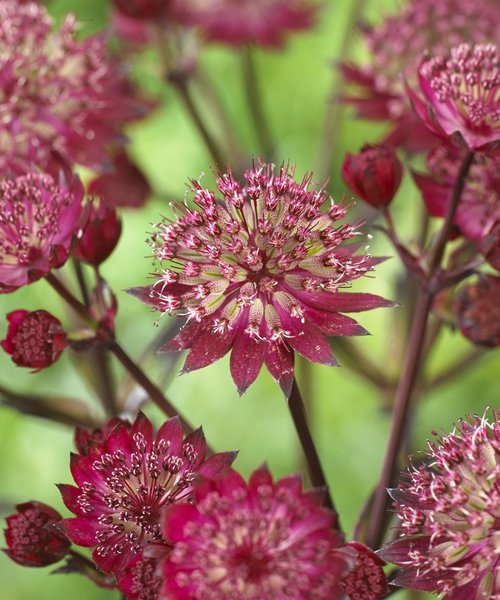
x=477, y=311
x=31, y=537
x=142, y=9
x=100, y=235
x=34, y=339
x=374, y=174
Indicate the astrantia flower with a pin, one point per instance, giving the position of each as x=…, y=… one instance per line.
x=262, y=272
x=366, y=579
x=34, y=339
x=251, y=541
x=142, y=579
x=461, y=95
x=59, y=93
x=477, y=311
x=125, y=481
x=262, y=22
x=450, y=516
x=479, y=206
x=32, y=540
x=395, y=50
x=38, y=217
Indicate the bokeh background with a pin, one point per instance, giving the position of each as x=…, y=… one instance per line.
x=349, y=418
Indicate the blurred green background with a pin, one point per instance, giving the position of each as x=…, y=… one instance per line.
x=349, y=425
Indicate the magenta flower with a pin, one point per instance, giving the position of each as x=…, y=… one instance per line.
x=479, y=206
x=261, y=272
x=59, y=93
x=477, y=311
x=38, y=218
x=395, y=48
x=366, y=579
x=450, y=514
x=124, y=483
x=261, y=22
x=32, y=538
x=255, y=540
x=34, y=339
x=142, y=579
x=461, y=96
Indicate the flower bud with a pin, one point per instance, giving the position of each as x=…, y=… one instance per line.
x=32, y=538
x=34, y=339
x=477, y=311
x=374, y=174
x=100, y=235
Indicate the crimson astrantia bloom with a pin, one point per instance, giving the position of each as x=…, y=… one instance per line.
x=479, y=206
x=366, y=580
x=85, y=439
x=100, y=234
x=450, y=516
x=38, y=217
x=395, y=48
x=374, y=174
x=255, y=540
x=34, y=339
x=59, y=92
x=125, y=481
x=461, y=96
x=32, y=539
x=262, y=22
x=477, y=311
x=142, y=579
x=262, y=272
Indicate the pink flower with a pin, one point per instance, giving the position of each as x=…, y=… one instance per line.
x=32, y=539
x=449, y=512
x=461, y=96
x=366, y=580
x=374, y=174
x=38, y=218
x=125, y=481
x=34, y=339
x=142, y=579
x=59, y=93
x=100, y=234
x=261, y=272
x=262, y=22
x=255, y=540
x=479, y=206
x=477, y=311
x=142, y=9
x=395, y=48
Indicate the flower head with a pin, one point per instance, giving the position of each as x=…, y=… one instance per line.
x=59, y=93
x=255, y=540
x=38, y=217
x=31, y=537
x=262, y=272
x=262, y=22
x=450, y=514
x=395, y=48
x=374, y=174
x=142, y=579
x=366, y=579
x=477, y=311
x=34, y=339
x=125, y=481
x=461, y=92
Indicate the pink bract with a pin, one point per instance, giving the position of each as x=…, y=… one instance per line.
x=59, y=93
x=449, y=513
x=38, y=218
x=260, y=271
x=125, y=481
x=255, y=540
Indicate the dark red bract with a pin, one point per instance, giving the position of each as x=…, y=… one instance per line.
x=100, y=234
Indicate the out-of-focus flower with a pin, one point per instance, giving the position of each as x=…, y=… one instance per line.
x=477, y=311
x=100, y=234
x=255, y=540
x=142, y=579
x=124, y=186
x=461, y=96
x=449, y=512
x=261, y=22
x=395, y=48
x=142, y=9
x=34, y=339
x=85, y=439
x=374, y=174
x=125, y=481
x=366, y=580
x=479, y=206
x=38, y=217
x=261, y=272
x=59, y=93
x=32, y=540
